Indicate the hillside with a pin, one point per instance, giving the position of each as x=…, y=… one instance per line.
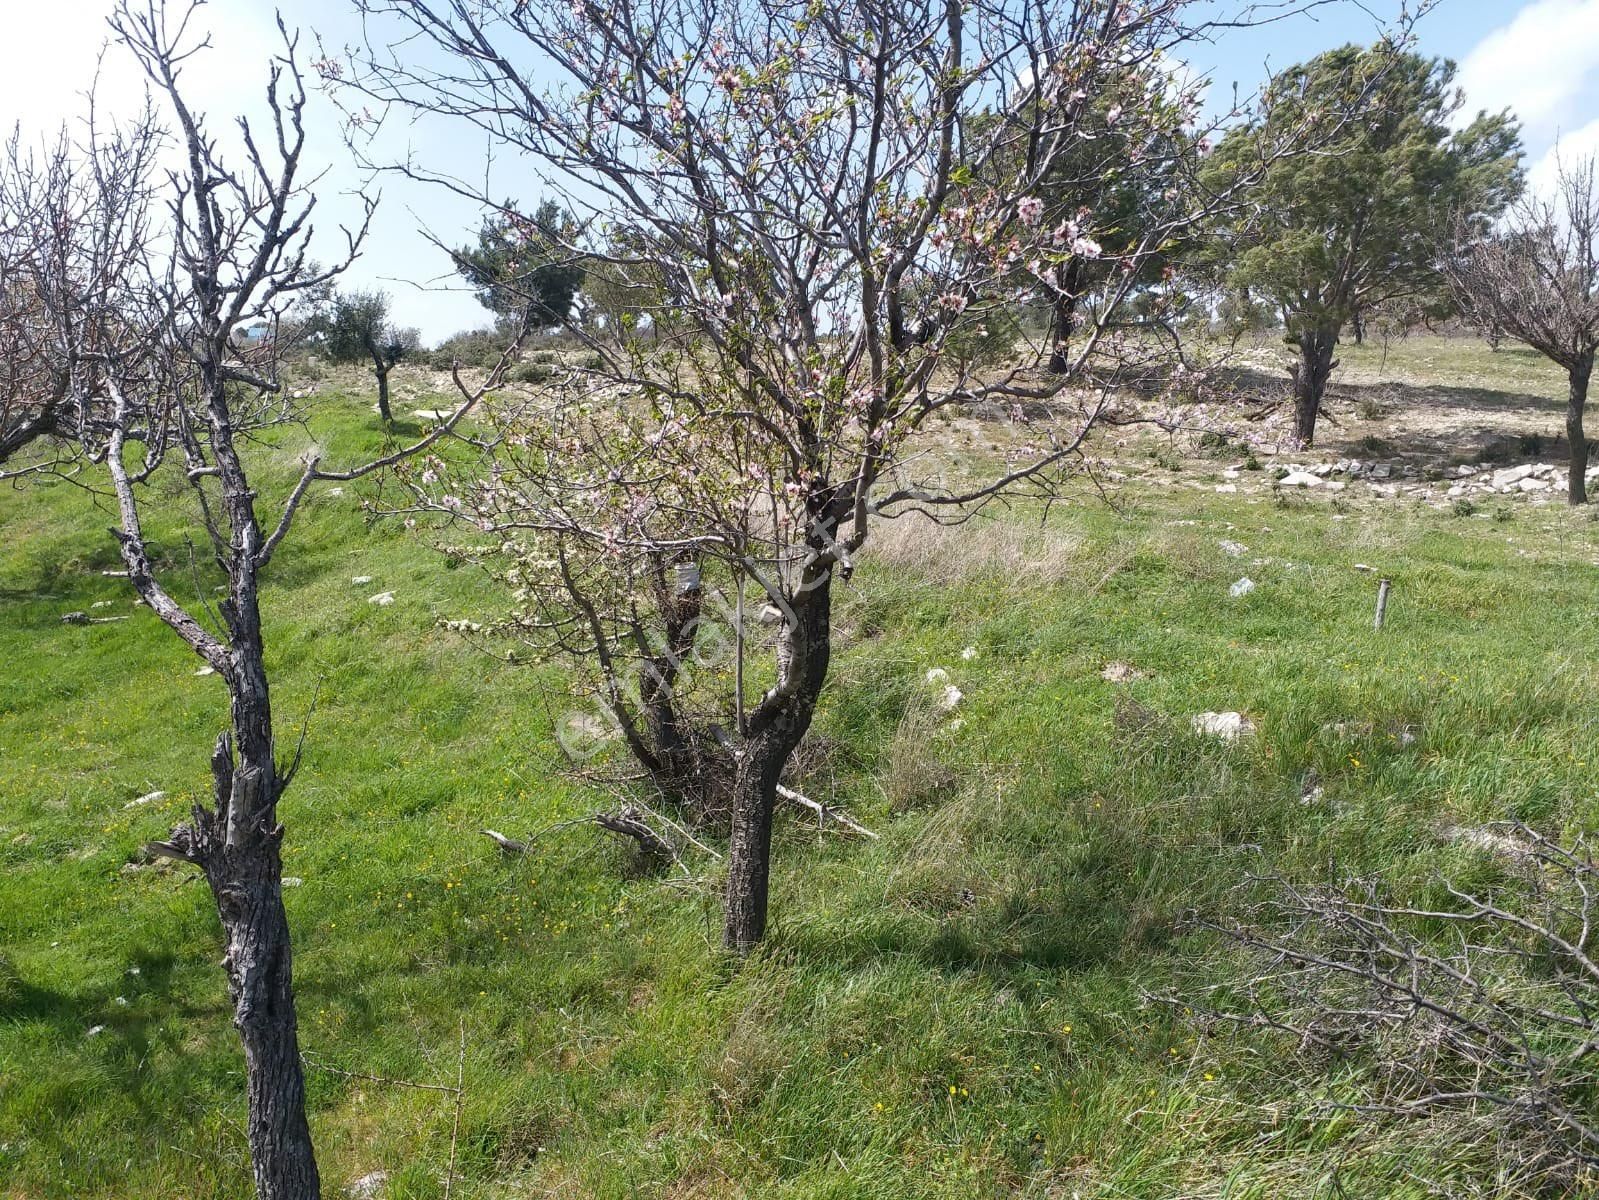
x=964, y=1007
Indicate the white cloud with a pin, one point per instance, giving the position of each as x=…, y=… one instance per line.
x=1543, y=65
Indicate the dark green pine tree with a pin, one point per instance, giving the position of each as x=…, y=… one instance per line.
x=1326, y=236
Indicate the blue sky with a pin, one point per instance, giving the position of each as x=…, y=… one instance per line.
x=1539, y=57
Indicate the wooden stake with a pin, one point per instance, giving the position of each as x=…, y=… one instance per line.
x=1382, y=602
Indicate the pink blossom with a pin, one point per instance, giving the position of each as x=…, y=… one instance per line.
x=952, y=302
x=1030, y=209
x=1086, y=247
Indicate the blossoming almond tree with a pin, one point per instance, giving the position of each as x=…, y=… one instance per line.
x=808, y=200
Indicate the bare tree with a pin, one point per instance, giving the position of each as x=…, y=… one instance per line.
x=73, y=227
x=145, y=343
x=814, y=207
x=1534, y=277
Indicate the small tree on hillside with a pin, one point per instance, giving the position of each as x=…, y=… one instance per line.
x=164, y=372
x=815, y=192
x=355, y=327
x=1339, y=233
x=1534, y=277
x=520, y=269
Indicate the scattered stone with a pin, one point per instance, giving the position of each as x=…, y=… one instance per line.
x=382, y=599
x=770, y=615
x=969, y=653
x=1533, y=484
x=1300, y=479
x=1322, y=470
x=1364, y=567
x=1381, y=471
x=95, y=1031
x=1228, y=726
x=206, y=670
x=1231, y=548
x=1335, y=485
x=102, y=604
x=336, y=491
x=951, y=698
x=361, y=580
x=147, y=798
x=1227, y=488
x=937, y=675
x=1120, y=672
x=1506, y=479
x=367, y=1186
x=292, y=881
x=122, y=1002
x=1241, y=587
x=75, y=618
x=1485, y=837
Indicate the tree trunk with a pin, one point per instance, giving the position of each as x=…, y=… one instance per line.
x=803, y=656
x=1577, y=486
x=1310, y=380
x=383, y=396
x=1065, y=314
x=749, y=852
x=1357, y=324
x=246, y=882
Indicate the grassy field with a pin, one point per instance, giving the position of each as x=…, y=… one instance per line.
x=957, y=1010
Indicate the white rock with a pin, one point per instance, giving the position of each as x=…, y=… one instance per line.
x=1335, y=485
x=368, y=1186
x=969, y=653
x=147, y=798
x=1227, y=488
x=1533, y=484
x=338, y=491
x=1241, y=587
x=937, y=675
x=1229, y=726
x=1299, y=479
x=1322, y=470
x=382, y=599
x=770, y=615
x=361, y=579
x=1120, y=672
x=1381, y=471
x=206, y=670
x=1511, y=476
x=1231, y=548
x=952, y=696
x=122, y=1002
x=95, y=1031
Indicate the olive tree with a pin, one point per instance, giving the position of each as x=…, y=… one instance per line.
x=1534, y=276
x=355, y=327
x=808, y=202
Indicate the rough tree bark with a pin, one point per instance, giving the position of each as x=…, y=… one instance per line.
x=775, y=730
x=1579, y=374
x=1065, y=313
x=1315, y=365
x=384, y=414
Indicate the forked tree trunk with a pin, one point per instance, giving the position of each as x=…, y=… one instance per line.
x=1577, y=487
x=1310, y=374
x=804, y=654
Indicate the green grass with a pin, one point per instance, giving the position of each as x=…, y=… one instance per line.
x=957, y=1010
